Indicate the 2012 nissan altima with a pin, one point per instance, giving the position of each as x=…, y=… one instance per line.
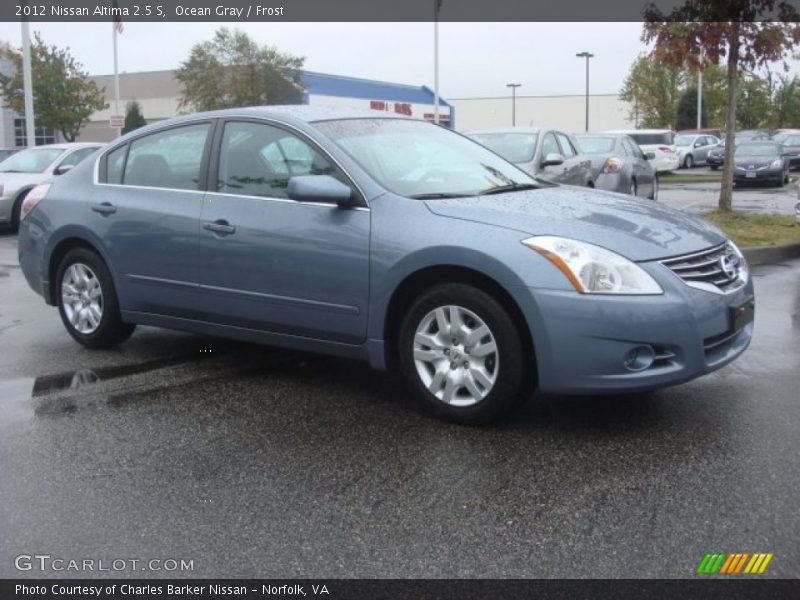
x=386, y=239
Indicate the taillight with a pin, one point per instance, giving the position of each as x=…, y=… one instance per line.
x=33, y=198
x=665, y=149
x=612, y=165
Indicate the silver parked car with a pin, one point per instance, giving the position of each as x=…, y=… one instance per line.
x=693, y=149
x=546, y=154
x=619, y=165
x=22, y=171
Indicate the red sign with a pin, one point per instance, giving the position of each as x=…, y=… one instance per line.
x=116, y=121
x=377, y=105
x=402, y=108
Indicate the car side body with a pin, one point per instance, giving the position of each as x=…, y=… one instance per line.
x=341, y=275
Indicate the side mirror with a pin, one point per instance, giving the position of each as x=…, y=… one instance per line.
x=552, y=159
x=697, y=144
x=61, y=169
x=650, y=155
x=319, y=188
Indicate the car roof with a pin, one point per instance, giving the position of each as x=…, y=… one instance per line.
x=506, y=130
x=70, y=145
x=630, y=131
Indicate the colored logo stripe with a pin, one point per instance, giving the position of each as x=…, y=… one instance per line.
x=727, y=564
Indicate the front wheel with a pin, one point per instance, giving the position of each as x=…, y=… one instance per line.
x=87, y=301
x=461, y=354
x=688, y=162
x=654, y=195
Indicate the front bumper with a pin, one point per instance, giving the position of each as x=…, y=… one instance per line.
x=744, y=176
x=715, y=160
x=582, y=342
x=665, y=163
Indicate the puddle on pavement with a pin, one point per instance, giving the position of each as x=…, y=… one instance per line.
x=22, y=399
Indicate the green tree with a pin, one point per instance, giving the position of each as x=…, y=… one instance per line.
x=754, y=104
x=786, y=103
x=652, y=90
x=687, y=110
x=133, y=117
x=232, y=70
x=745, y=33
x=63, y=95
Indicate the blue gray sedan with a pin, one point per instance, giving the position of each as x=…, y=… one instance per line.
x=390, y=240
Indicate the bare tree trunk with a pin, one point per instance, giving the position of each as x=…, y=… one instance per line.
x=726, y=192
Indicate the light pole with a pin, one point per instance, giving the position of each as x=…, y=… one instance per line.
x=587, y=56
x=513, y=87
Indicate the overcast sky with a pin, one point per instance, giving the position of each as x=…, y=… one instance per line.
x=476, y=59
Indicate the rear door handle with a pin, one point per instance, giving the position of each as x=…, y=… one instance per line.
x=106, y=208
x=221, y=227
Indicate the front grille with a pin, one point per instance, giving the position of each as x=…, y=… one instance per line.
x=720, y=266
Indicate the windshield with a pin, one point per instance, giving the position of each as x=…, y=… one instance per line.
x=756, y=150
x=415, y=158
x=652, y=139
x=779, y=137
x=514, y=147
x=35, y=160
x=596, y=145
x=684, y=140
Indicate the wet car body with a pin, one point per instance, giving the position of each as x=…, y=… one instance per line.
x=619, y=165
x=337, y=277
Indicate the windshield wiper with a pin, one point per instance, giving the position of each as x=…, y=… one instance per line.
x=512, y=187
x=435, y=195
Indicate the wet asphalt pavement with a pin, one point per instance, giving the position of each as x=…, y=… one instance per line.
x=254, y=462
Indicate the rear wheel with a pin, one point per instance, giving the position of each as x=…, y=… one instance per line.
x=461, y=354
x=714, y=167
x=688, y=161
x=87, y=301
x=654, y=195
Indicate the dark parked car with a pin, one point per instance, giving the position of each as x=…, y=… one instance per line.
x=761, y=161
x=547, y=154
x=619, y=165
x=716, y=156
x=791, y=144
x=387, y=239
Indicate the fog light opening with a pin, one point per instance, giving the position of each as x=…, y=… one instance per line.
x=639, y=358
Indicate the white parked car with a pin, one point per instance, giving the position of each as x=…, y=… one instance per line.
x=658, y=145
x=23, y=171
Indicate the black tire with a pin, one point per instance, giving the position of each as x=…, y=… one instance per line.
x=714, y=167
x=16, y=211
x=111, y=330
x=688, y=162
x=514, y=374
x=654, y=195
x=633, y=190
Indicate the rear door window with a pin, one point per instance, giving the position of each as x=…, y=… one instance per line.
x=567, y=149
x=167, y=159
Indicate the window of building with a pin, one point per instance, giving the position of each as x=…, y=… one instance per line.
x=43, y=136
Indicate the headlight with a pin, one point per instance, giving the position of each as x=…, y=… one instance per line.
x=594, y=270
x=777, y=163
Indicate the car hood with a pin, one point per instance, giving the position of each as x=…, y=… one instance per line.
x=14, y=181
x=640, y=230
x=754, y=160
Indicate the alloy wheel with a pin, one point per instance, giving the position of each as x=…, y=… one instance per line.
x=82, y=298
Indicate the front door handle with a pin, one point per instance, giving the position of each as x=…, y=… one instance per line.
x=106, y=208
x=222, y=227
